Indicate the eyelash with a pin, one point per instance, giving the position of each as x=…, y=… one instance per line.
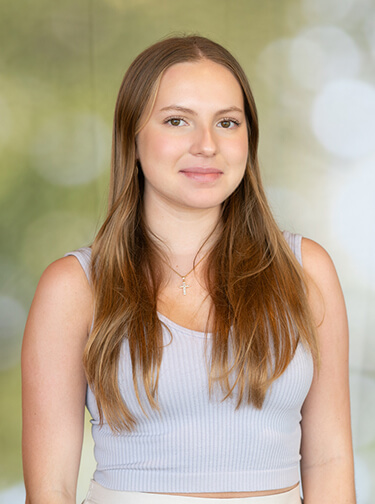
x=228, y=119
x=174, y=118
x=225, y=119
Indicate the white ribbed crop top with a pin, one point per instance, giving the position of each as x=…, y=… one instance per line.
x=197, y=444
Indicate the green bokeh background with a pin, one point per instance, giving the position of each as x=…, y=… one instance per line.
x=61, y=64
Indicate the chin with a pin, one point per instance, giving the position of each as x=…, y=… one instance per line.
x=207, y=201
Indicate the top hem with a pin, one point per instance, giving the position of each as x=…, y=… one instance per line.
x=153, y=481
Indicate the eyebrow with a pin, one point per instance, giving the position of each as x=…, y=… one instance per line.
x=192, y=112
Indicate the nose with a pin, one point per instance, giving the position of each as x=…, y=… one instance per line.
x=204, y=142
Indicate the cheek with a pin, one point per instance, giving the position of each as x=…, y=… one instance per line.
x=157, y=148
x=237, y=152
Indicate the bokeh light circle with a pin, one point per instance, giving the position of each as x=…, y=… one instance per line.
x=352, y=219
x=343, y=118
x=15, y=494
x=322, y=54
x=363, y=480
x=271, y=64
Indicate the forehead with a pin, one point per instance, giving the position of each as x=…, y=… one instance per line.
x=200, y=82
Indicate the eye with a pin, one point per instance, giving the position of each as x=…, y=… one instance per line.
x=228, y=123
x=175, y=121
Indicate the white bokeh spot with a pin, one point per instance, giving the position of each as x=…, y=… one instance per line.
x=343, y=118
x=352, y=219
x=13, y=495
x=272, y=62
x=363, y=480
x=322, y=54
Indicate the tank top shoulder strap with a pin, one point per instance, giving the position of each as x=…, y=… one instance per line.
x=84, y=257
x=294, y=241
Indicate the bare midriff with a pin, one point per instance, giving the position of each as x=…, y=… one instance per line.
x=236, y=495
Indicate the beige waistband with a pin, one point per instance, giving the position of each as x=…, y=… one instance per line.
x=100, y=495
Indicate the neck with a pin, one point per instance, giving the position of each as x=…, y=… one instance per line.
x=182, y=232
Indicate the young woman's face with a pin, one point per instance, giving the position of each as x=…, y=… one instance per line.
x=194, y=146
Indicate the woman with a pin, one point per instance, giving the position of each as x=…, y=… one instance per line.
x=201, y=336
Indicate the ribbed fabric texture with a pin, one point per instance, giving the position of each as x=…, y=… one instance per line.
x=197, y=443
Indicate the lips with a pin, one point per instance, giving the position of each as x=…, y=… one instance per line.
x=201, y=174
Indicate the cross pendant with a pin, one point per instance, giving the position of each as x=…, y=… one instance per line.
x=184, y=286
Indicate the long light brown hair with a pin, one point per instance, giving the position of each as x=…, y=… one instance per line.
x=259, y=306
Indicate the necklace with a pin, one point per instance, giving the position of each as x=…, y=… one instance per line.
x=184, y=285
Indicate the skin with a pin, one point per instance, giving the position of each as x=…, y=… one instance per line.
x=194, y=147
x=182, y=208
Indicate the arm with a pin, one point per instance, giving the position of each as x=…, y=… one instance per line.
x=327, y=457
x=53, y=383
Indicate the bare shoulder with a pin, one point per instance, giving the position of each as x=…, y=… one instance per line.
x=323, y=283
x=315, y=259
x=63, y=294
x=66, y=276
x=319, y=267
x=65, y=273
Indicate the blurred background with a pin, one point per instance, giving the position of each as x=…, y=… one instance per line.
x=311, y=67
